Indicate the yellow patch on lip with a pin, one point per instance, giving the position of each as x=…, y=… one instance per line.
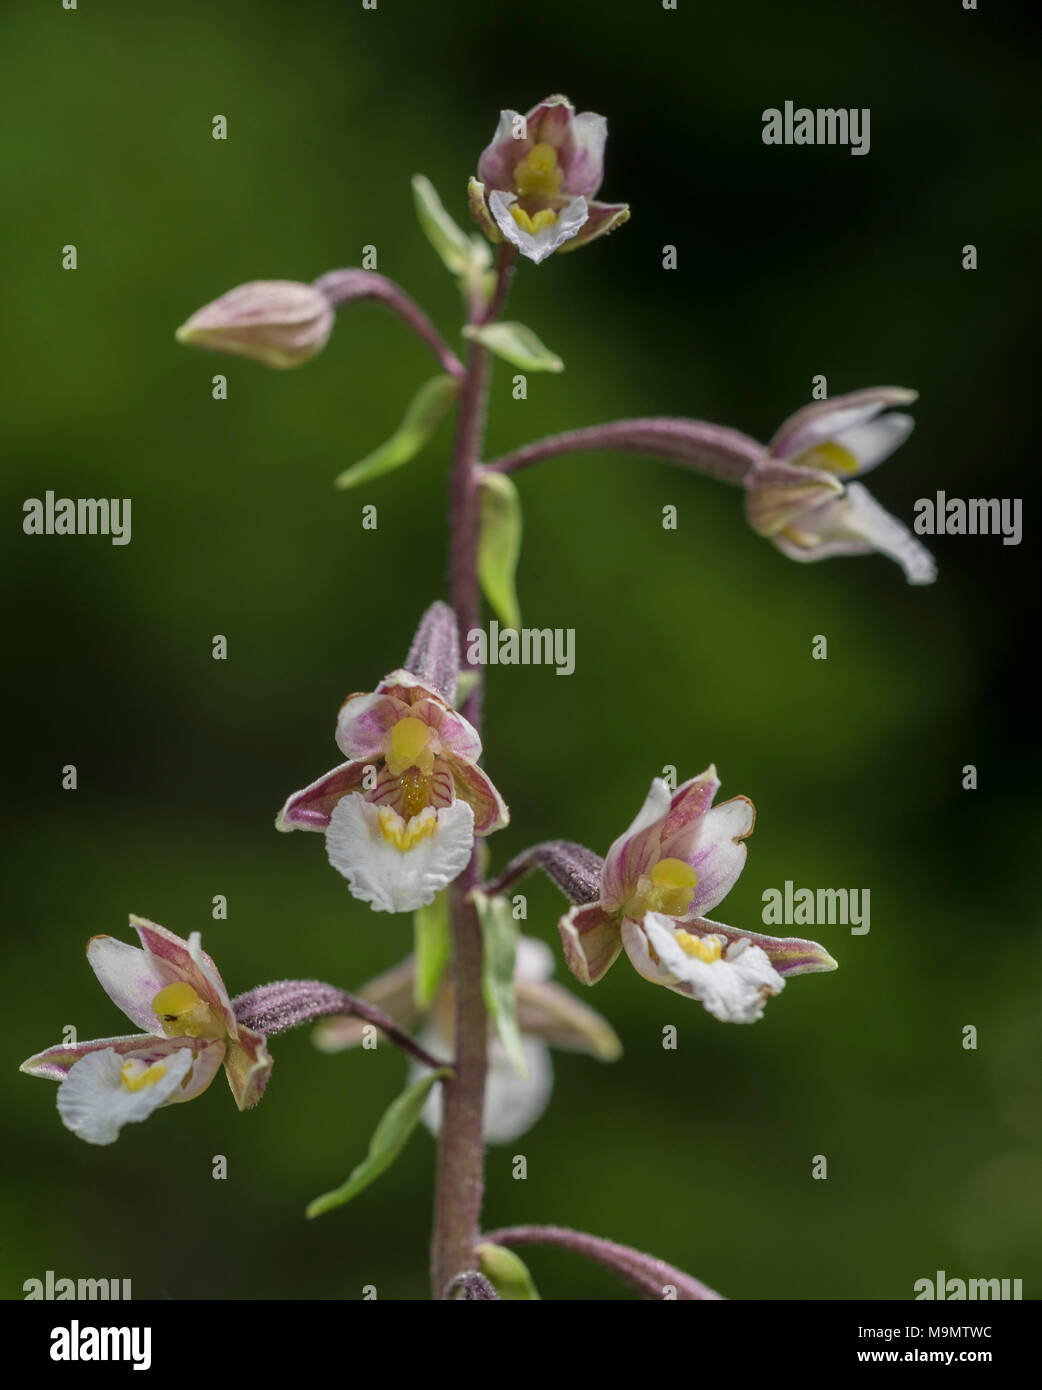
x=404, y=835
x=705, y=948
x=183, y=1014
x=408, y=745
x=136, y=1075
x=829, y=457
x=546, y=218
x=539, y=172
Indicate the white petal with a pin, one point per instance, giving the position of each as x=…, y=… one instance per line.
x=656, y=807
x=390, y=879
x=875, y=441
x=534, y=961
x=130, y=977
x=586, y=167
x=547, y=239
x=855, y=524
x=732, y=988
x=512, y=1106
x=94, y=1103
x=829, y=424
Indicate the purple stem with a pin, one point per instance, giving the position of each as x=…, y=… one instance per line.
x=345, y=286
x=460, y=1178
x=471, y=1287
x=714, y=449
x=647, y=1275
x=274, y=1008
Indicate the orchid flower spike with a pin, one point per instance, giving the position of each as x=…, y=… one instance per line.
x=537, y=179
x=803, y=495
x=677, y=861
x=400, y=816
x=548, y=1016
x=173, y=991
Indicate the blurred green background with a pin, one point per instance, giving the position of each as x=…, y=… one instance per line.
x=692, y=646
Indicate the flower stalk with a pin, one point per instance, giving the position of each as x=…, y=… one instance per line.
x=275, y=1008
x=649, y=1276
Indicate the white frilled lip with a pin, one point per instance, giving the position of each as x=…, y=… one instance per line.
x=855, y=524
x=388, y=878
x=684, y=825
x=94, y=1103
x=536, y=246
x=92, y=1099
x=734, y=988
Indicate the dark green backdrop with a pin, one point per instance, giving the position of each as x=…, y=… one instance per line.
x=692, y=646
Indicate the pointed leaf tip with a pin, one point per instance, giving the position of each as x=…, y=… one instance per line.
x=421, y=419
x=517, y=344
x=389, y=1138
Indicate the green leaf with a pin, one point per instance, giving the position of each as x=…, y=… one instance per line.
x=507, y=1273
x=497, y=968
x=462, y=254
x=515, y=343
x=422, y=418
x=431, y=937
x=389, y=1138
x=499, y=545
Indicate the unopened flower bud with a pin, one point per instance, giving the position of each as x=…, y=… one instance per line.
x=281, y=323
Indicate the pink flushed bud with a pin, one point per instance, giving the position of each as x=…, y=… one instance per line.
x=281, y=323
x=537, y=179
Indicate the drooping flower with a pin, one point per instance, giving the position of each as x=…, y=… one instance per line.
x=281, y=323
x=547, y=1015
x=802, y=493
x=400, y=816
x=537, y=179
x=173, y=991
x=676, y=862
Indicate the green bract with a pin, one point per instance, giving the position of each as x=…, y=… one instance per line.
x=515, y=343
x=499, y=545
x=424, y=415
x=389, y=1138
x=500, y=949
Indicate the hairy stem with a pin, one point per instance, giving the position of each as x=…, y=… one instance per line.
x=649, y=1276
x=275, y=1008
x=346, y=286
x=713, y=449
x=459, y=1179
